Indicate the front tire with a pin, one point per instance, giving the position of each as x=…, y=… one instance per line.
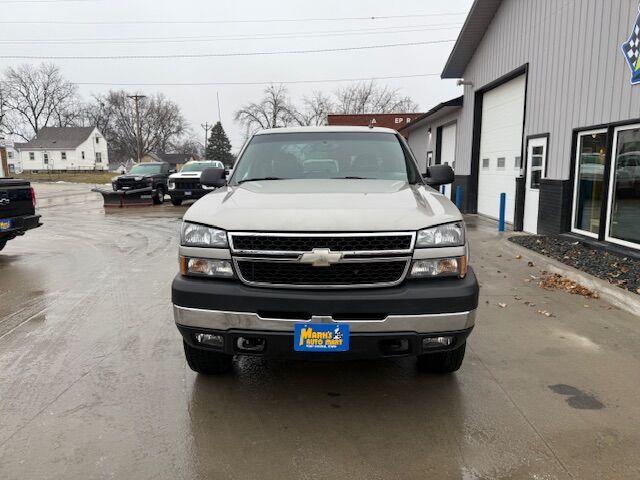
x=442, y=362
x=159, y=198
x=3, y=243
x=207, y=362
x=176, y=202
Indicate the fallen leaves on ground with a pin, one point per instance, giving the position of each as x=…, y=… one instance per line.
x=502, y=305
x=558, y=282
x=545, y=313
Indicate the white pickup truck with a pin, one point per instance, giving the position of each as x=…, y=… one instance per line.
x=326, y=242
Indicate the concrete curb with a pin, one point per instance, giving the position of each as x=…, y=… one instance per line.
x=623, y=299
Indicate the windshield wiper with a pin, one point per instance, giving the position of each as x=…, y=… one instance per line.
x=352, y=178
x=259, y=179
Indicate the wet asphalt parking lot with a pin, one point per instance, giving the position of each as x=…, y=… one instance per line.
x=93, y=383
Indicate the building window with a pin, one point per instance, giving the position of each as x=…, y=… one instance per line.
x=45, y=158
x=537, y=164
x=83, y=155
x=589, y=182
x=63, y=155
x=12, y=168
x=97, y=139
x=32, y=156
x=624, y=188
x=98, y=157
x=485, y=164
x=502, y=162
x=9, y=155
x=429, y=159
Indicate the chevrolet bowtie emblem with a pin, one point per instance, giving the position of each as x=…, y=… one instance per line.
x=321, y=257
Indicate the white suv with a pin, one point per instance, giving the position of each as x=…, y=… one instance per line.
x=325, y=243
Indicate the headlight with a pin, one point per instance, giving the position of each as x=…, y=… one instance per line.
x=205, y=267
x=172, y=185
x=194, y=235
x=448, y=235
x=439, y=267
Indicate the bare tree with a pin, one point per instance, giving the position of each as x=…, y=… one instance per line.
x=38, y=96
x=273, y=111
x=162, y=126
x=315, y=110
x=4, y=111
x=369, y=97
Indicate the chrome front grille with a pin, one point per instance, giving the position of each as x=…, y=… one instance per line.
x=349, y=244
x=359, y=260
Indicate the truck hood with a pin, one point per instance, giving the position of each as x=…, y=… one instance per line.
x=186, y=175
x=133, y=176
x=323, y=206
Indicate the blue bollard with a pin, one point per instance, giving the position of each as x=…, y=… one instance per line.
x=459, y=197
x=442, y=189
x=503, y=207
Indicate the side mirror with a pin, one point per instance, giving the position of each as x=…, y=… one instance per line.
x=438, y=175
x=213, y=177
x=226, y=172
x=173, y=171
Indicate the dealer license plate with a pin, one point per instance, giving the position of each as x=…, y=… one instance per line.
x=321, y=337
x=188, y=194
x=5, y=224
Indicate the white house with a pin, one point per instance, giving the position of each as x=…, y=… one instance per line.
x=65, y=148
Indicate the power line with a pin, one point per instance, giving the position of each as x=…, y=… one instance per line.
x=285, y=82
x=271, y=20
x=212, y=55
x=47, y=1
x=263, y=36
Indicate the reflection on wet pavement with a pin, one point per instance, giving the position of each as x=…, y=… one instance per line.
x=93, y=382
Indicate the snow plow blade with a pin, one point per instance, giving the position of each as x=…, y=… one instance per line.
x=141, y=197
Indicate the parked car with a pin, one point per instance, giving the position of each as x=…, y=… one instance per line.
x=17, y=209
x=288, y=261
x=185, y=185
x=143, y=175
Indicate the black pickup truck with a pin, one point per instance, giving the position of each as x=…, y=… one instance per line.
x=17, y=209
x=143, y=175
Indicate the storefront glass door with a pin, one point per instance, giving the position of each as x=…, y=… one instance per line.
x=623, y=219
x=589, y=182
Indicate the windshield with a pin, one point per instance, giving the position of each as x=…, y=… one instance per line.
x=325, y=155
x=200, y=166
x=146, y=169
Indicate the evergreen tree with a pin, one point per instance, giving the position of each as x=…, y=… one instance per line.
x=219, y=146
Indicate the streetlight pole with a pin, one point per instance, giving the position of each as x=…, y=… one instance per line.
x=136, y=99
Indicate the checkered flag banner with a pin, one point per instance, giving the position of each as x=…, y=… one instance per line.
x=631, y=50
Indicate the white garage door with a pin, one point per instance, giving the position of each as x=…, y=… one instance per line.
x=448, y=150
x=501, y=147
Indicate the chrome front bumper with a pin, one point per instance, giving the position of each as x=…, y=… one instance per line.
x=219, y=320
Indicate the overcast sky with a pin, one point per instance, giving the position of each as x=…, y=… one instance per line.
x=198, y=103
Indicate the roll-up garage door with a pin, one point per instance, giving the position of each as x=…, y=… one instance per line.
x=448, y=150
x=501, y=146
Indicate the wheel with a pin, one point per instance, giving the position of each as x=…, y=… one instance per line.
x=2, y=244
x=207, y=362
x=176, y=202
x=442, y=362
x=159, y=198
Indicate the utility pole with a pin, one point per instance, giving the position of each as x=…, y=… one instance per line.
x=206, y=128
x=136, y=99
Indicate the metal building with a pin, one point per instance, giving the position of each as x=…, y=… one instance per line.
x=551, y=115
